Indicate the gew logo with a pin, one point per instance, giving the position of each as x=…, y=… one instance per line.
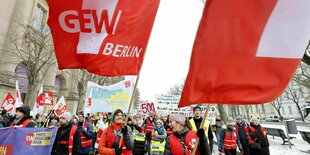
x=95, y=22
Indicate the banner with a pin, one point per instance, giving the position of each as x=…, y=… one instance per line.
x=34, y=141
x=8, y=102
x=168, y=104
x=147, y=107
x=60, y=107
x=106, y=37
x=246, y=52
x=109, y=98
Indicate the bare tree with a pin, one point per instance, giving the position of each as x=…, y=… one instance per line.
x=176, y=89
x=222, y=112
x=247, y=110
x=277, y=104
x=33, y=49
x=295, y=94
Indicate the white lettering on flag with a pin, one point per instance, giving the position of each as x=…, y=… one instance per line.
x=91, y=42
x=285, y=35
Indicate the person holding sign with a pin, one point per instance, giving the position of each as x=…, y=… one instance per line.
x=183, y=140
x=195, y=124
x=110, y=137
x=22, y=117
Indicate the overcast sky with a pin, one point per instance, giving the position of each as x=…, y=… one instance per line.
x=168, y=53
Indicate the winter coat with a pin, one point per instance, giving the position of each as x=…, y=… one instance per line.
x=88, y=134
x=241, y=132
x=203, y=147
x=222, y=138
x=63, y=133
x=105, y=137
x=260, y=138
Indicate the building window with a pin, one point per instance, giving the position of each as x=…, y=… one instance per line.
x=283, y=110
x=22, y=77
x=39, y=18
x=290, y=109
x=57, y=85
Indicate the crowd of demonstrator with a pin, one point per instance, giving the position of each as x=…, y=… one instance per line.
x=143, y=134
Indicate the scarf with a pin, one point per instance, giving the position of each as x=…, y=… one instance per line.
x=17, y=120
x=160, y=130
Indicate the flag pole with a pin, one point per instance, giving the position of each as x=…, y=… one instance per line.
x=130, y=105
x=48, y=116
x=201, y=125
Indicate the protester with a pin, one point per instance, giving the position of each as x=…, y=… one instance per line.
x=74, y=120
x=86, y=130
x=229, y=139
x=1, y=121
x=241, y=127
x=138, y=135
x=6, y=119
x=22, y=117
x=166, y=125
x=149, y=126
x=67, y=140
x=195, y=123
x=95, y=123
x=257, y=138
x=54, y=121
x=218, y=127
x=181, y=141
x=158, y=138
x=110, y=139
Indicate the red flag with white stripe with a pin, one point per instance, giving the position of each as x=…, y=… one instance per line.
x=18, y=100
x=246, y=51
x=100, y=130
x=106, y=37
x=60, y=107
x=8, y=103
x=39, y=105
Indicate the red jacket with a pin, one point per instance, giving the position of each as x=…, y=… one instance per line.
x=23, y=124
x=176, y=146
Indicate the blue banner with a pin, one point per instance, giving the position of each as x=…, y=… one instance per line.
x=34, y=141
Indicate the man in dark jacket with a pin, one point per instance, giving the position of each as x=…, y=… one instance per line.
x=22, y=117
x=62, y=144
x=195, y=123
x=86, y=130
x=240, y=128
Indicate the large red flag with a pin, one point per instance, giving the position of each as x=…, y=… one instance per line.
x=246, y=52
x=106, y=37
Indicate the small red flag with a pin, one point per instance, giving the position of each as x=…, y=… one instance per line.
x=8, y=102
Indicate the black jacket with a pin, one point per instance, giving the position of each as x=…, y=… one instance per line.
x=63, y=133
x=260, y=138
x=210, y=134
